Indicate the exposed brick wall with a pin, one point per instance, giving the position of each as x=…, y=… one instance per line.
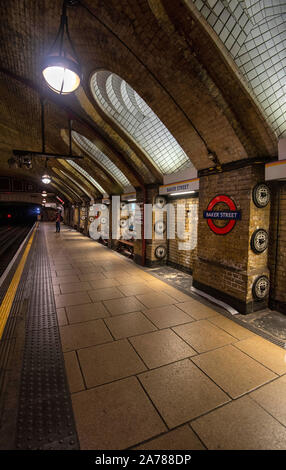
x=179, y=257
x=277, y=252
x=226, y=263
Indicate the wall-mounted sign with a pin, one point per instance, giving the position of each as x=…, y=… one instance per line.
x=260, y=288
x=160, y=201
x=259, y=241
x=222, y=214
x=160, y=252
x=261, y=195
x=181, y=187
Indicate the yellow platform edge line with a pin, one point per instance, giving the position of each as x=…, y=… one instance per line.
x=7, y=302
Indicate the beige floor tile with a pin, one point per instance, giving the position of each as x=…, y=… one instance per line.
x=203, y=335
x=62, y=318
x=65, y=300
x=231, y=327
x=235, y=372
x=109, y=362
x=266, y=353
x=56, y=289
x=105, y=294
x=123, y=280
x=74, y=287
x=161, y=347
x=122, y=410
x=123, y=305
x=181, y=392
x=197, y=310
x=155, y=300
x=169, y=315
x=179, y=439
x=65, y=272
x=64, y=279
x=157, y=284
x=136, y=288
x=103, y=283
x=240, y=425
x=74, y=376
x=91, y=269
x=176, y=294
x=83, y=335
x=91, y=276
x=86, y=312
x=129, y=324
x=272, y=397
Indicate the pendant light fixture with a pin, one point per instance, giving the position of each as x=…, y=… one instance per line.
x=61, y=68
x=46, y=179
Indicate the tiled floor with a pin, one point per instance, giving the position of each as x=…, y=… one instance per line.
x=150, y=367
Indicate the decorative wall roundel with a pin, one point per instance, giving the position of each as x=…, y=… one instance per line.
x=123, y=223
x=91, y=218
x=103, y=220
x=160, y=201
x=261, y=195
x=123, y=205
x=82, y=217
x=160, y=252
x=260, y=288
x=259, y=241
x=160, y=226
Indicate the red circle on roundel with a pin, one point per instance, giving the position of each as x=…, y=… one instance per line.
x=229, y=226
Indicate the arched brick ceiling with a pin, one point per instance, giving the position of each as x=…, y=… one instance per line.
x=254, y=33
x=174, y=64
x=101, y=159
x=101, y=177
x=131, y=112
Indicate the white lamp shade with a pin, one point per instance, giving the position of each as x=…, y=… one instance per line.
x=61, y=74
x=46, y=179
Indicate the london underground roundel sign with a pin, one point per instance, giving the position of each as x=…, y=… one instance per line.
x=222, y=214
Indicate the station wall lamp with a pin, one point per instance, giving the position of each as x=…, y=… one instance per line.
x=61, y=68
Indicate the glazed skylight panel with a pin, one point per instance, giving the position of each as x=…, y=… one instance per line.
x=87, y=176
x=131, y=112
x=254, y=33
x=101, y=158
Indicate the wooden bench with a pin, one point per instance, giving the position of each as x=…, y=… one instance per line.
x=126, y=247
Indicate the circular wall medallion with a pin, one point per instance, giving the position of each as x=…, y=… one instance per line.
x=103, y=207
x=259, y=241
x=103, y=220
x=83, y=217
x=160, y=252
x=91, y=218
x=123, y=205
x=160, y=201
x=260, y=288
x=123, y=223
x=221, y=214
x=160, y=226
x=261, y=195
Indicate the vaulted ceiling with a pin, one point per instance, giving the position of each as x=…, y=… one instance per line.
x=161, y=91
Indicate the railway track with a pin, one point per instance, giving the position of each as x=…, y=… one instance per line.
x=11, y=238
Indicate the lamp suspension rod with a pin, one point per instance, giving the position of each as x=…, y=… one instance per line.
x=43, y=125
x=70, y=135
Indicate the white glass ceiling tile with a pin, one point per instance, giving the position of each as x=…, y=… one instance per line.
x=87, y=176
x=99, y=157
x=137, y=118
x=259, y=32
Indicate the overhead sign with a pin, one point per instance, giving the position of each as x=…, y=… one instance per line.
x=222, y=214
x=180, y=187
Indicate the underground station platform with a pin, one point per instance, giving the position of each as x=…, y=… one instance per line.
x=143, y=229
x=98, y=353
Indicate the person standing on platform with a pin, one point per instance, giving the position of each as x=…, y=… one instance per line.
x=58, y=222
